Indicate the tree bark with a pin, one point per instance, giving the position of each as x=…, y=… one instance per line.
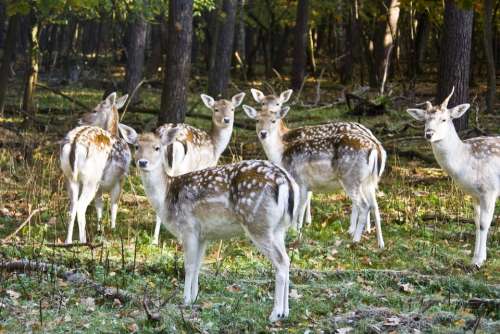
x=8, y=55
x=384, y=41
x=178, y=66
x=300, y=44
x=421, y=38
x=454, y=58
x=218, y=77
x=31, y=70
x=135, y=54
x=490, y=59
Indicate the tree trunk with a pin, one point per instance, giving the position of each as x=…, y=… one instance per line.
x=300, y=44
x=218, y=77
x=135, y=54
x=421, y=38
x=488, y=50
x=8, y=55
x=385, y=34
x=32, y=65
x=454, y=58
x=156, y=58
x=178, y=66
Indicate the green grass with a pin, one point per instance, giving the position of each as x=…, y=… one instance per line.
x=421, y=280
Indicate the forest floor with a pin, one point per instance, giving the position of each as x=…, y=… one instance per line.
x=421, y=282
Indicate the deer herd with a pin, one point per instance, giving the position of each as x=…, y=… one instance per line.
x=199, y=201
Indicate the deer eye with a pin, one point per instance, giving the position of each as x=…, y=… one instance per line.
x=136, y=147
x=443, y=120
x=157, y=148
x=216, y=109
x=273, y=121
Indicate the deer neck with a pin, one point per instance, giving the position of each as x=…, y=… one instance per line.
x=156, y=184
x=220, y=138
x=274, y=146
x=450, y=152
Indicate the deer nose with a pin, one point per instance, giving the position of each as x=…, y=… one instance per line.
x=227, y=120
x=263, y=134
x=428, y=134
x=143, y=163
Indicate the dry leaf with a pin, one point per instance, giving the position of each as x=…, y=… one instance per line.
x=406, y=287
x=133, y=328
x=343, y=330
x=233, y=288
x=117, y=302
x=294, y=294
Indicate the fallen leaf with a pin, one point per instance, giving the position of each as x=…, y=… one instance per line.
x=392, y=321
x=406, y=287
x=233, y=288
x=89, y=303
x=117, y=302
x=294, y=294
x=13, y=294
x=343, y=330
x=133, y=328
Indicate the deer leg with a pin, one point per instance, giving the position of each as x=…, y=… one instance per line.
x=99, y=205
x=308, y=218
x=487, y=210
x=372, y=199
x=88, y=192
x=156, y=236
x=302, y=207
x=199, y=261
x=114, y=199
x=191, y=248
x=363, y=208
x=368, y=226
x=73, y=190
x=477, y=221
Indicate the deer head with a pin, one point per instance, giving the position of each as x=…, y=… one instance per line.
x=149, y=148
x=438, y=118
x=271, y=103
x=268, y=123
x=105, y=114
x=223, y=110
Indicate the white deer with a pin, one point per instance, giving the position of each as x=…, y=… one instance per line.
x=256, y=198
x=272, y=104
x=474, y=164
x=194, y=149
x=352, y=161
x=94, y=159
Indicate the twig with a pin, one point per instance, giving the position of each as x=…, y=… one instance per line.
x=58, y=92
x=318, y=88
x=34, y=212
x=131, y=98
x=75, y=245
x=152, y=316
x=386, y=69
x=297, y=98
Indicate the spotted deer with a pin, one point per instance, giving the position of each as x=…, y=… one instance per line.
x=272, y=105
x=474, y=164
x=94, y=159
x=256, y=198
x=195, y=149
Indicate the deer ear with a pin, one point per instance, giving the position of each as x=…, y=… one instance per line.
x=208, y=101
x=127, y=133
x=458, y=111
x=418, y=114
x=237, y=99
x=120, y=102
x=250, y=111
x=283, y=112
x=111, y=99
x=258, y=96
x=168, y=136
x=285, y=96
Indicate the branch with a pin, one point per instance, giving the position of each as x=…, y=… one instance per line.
x=13, y=234
x=58, y=92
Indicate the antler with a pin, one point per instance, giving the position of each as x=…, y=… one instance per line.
x=444, y=104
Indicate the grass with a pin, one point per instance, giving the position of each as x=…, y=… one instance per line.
x=421, y=280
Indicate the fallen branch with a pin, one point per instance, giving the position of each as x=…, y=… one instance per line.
x=69, y=98
x=13, y=234
x=75, y=245
x=411, y=154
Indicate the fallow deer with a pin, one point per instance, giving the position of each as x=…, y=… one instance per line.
x=350, y=160
x=474, y=164
x=272, y=105
x=256, y=198
x=94, y=159
x=195, y=149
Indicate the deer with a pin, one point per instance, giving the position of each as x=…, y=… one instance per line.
x=94, y=159
x=474, y=164
x=195, y=149
x=255, y=197
x=272, y=105
x=348, y=160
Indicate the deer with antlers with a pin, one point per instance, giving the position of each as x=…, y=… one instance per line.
x=194, y=149
x=474, y=164
x=95, y=159
x=275, y=138
x=256, y=198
